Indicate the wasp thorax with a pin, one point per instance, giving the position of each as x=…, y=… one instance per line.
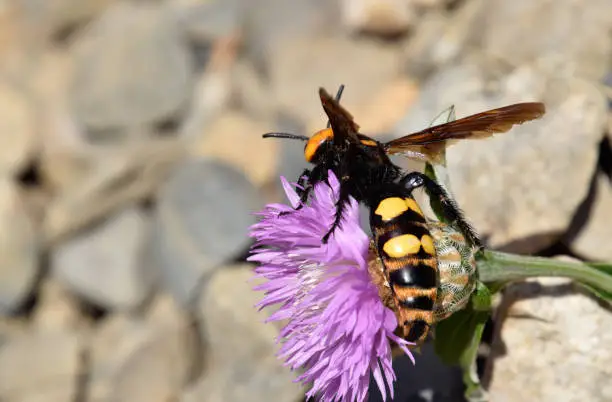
x=315, y=142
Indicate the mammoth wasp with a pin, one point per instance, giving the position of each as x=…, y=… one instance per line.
x=412, y=259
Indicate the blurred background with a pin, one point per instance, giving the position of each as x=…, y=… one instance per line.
x=131, y=161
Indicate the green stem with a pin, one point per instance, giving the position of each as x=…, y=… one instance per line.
x=502, y=267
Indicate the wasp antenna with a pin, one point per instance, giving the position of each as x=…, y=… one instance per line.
x=286, y=135
x=339, y=93
x=337, y=98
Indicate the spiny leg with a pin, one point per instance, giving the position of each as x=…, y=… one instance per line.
x=343, y=200
x=304, y=187
x=450, y=208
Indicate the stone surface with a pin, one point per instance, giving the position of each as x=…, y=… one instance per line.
x=553, y=345
x=144, y=39
x=524, y=212
x=19, y=248
x=381, y=17
x=17, y=128
x=56, y=308
x=236, y=139
x=96, y=183
x=524, y=31
x=40, y=366
x=21, y=41
x=208, y=20
x=441, y=37
x=269, y=25
x=593, y=240
x=203, y=216
x=213, y=89
x=105, y=265
x=142, y=359
x=306, y=64
x=55, y=15
x=239, y=370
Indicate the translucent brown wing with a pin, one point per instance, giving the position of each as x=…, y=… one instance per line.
x=340, y=119
x=423, y=143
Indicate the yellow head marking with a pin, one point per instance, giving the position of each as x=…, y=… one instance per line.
x=428, y=244
x=368, y=143
x=390, y=208
x=315, y=142
x=401, y=246
x=412, y=205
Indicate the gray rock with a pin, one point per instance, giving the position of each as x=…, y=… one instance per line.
x=209, y=20
x=53, y=16
x=379, y=17
x=132, y=68
x=236, y=139
x=270, y=24
x=303, y=65
x=242, y=362
x=203, y=216
x=40, y=366
x=105, y=264
x=141, y=359
x=17, y=128
x=525, y=31
x=553, y=344
x=56, y=308
x=441, y=37
x=593, y=240
x=519, y=189
x=19, y=248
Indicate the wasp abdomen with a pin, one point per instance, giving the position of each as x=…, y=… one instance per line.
x=407, y=251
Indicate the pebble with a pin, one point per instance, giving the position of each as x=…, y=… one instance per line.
x=269, y=25
x=141, y=358
x=19, y=249
x=512, y=209
x=441, y=37
x=56, y=308
x=54, y=16
x=105, y=98
x=17, y=128
x=547, y=327
x=306, y=64
x=525, y=31
x=242, y=370
x=40, y=366
x=235, y=139
x=104, y=265
x=206, y=21
x=102, y=181
x=203, y=215
x=379, y=17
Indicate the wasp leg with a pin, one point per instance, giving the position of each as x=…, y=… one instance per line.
x=451, y=210
x=343, y=200
x=304, y=187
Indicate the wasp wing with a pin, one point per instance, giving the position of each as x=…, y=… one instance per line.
x=341, y=121
x=426, y=144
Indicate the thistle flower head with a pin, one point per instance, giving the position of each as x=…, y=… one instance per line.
x=338, y=331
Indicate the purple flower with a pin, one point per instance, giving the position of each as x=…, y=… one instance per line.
x=338, y=330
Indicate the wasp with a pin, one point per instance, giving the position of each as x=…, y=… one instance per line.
x=402, y=235
x=456, y=265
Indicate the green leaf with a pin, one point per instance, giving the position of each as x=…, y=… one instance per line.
x=458, y=337
x=596, y=290
x=497, y=268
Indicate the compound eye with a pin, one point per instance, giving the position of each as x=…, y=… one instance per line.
x=315, y=142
